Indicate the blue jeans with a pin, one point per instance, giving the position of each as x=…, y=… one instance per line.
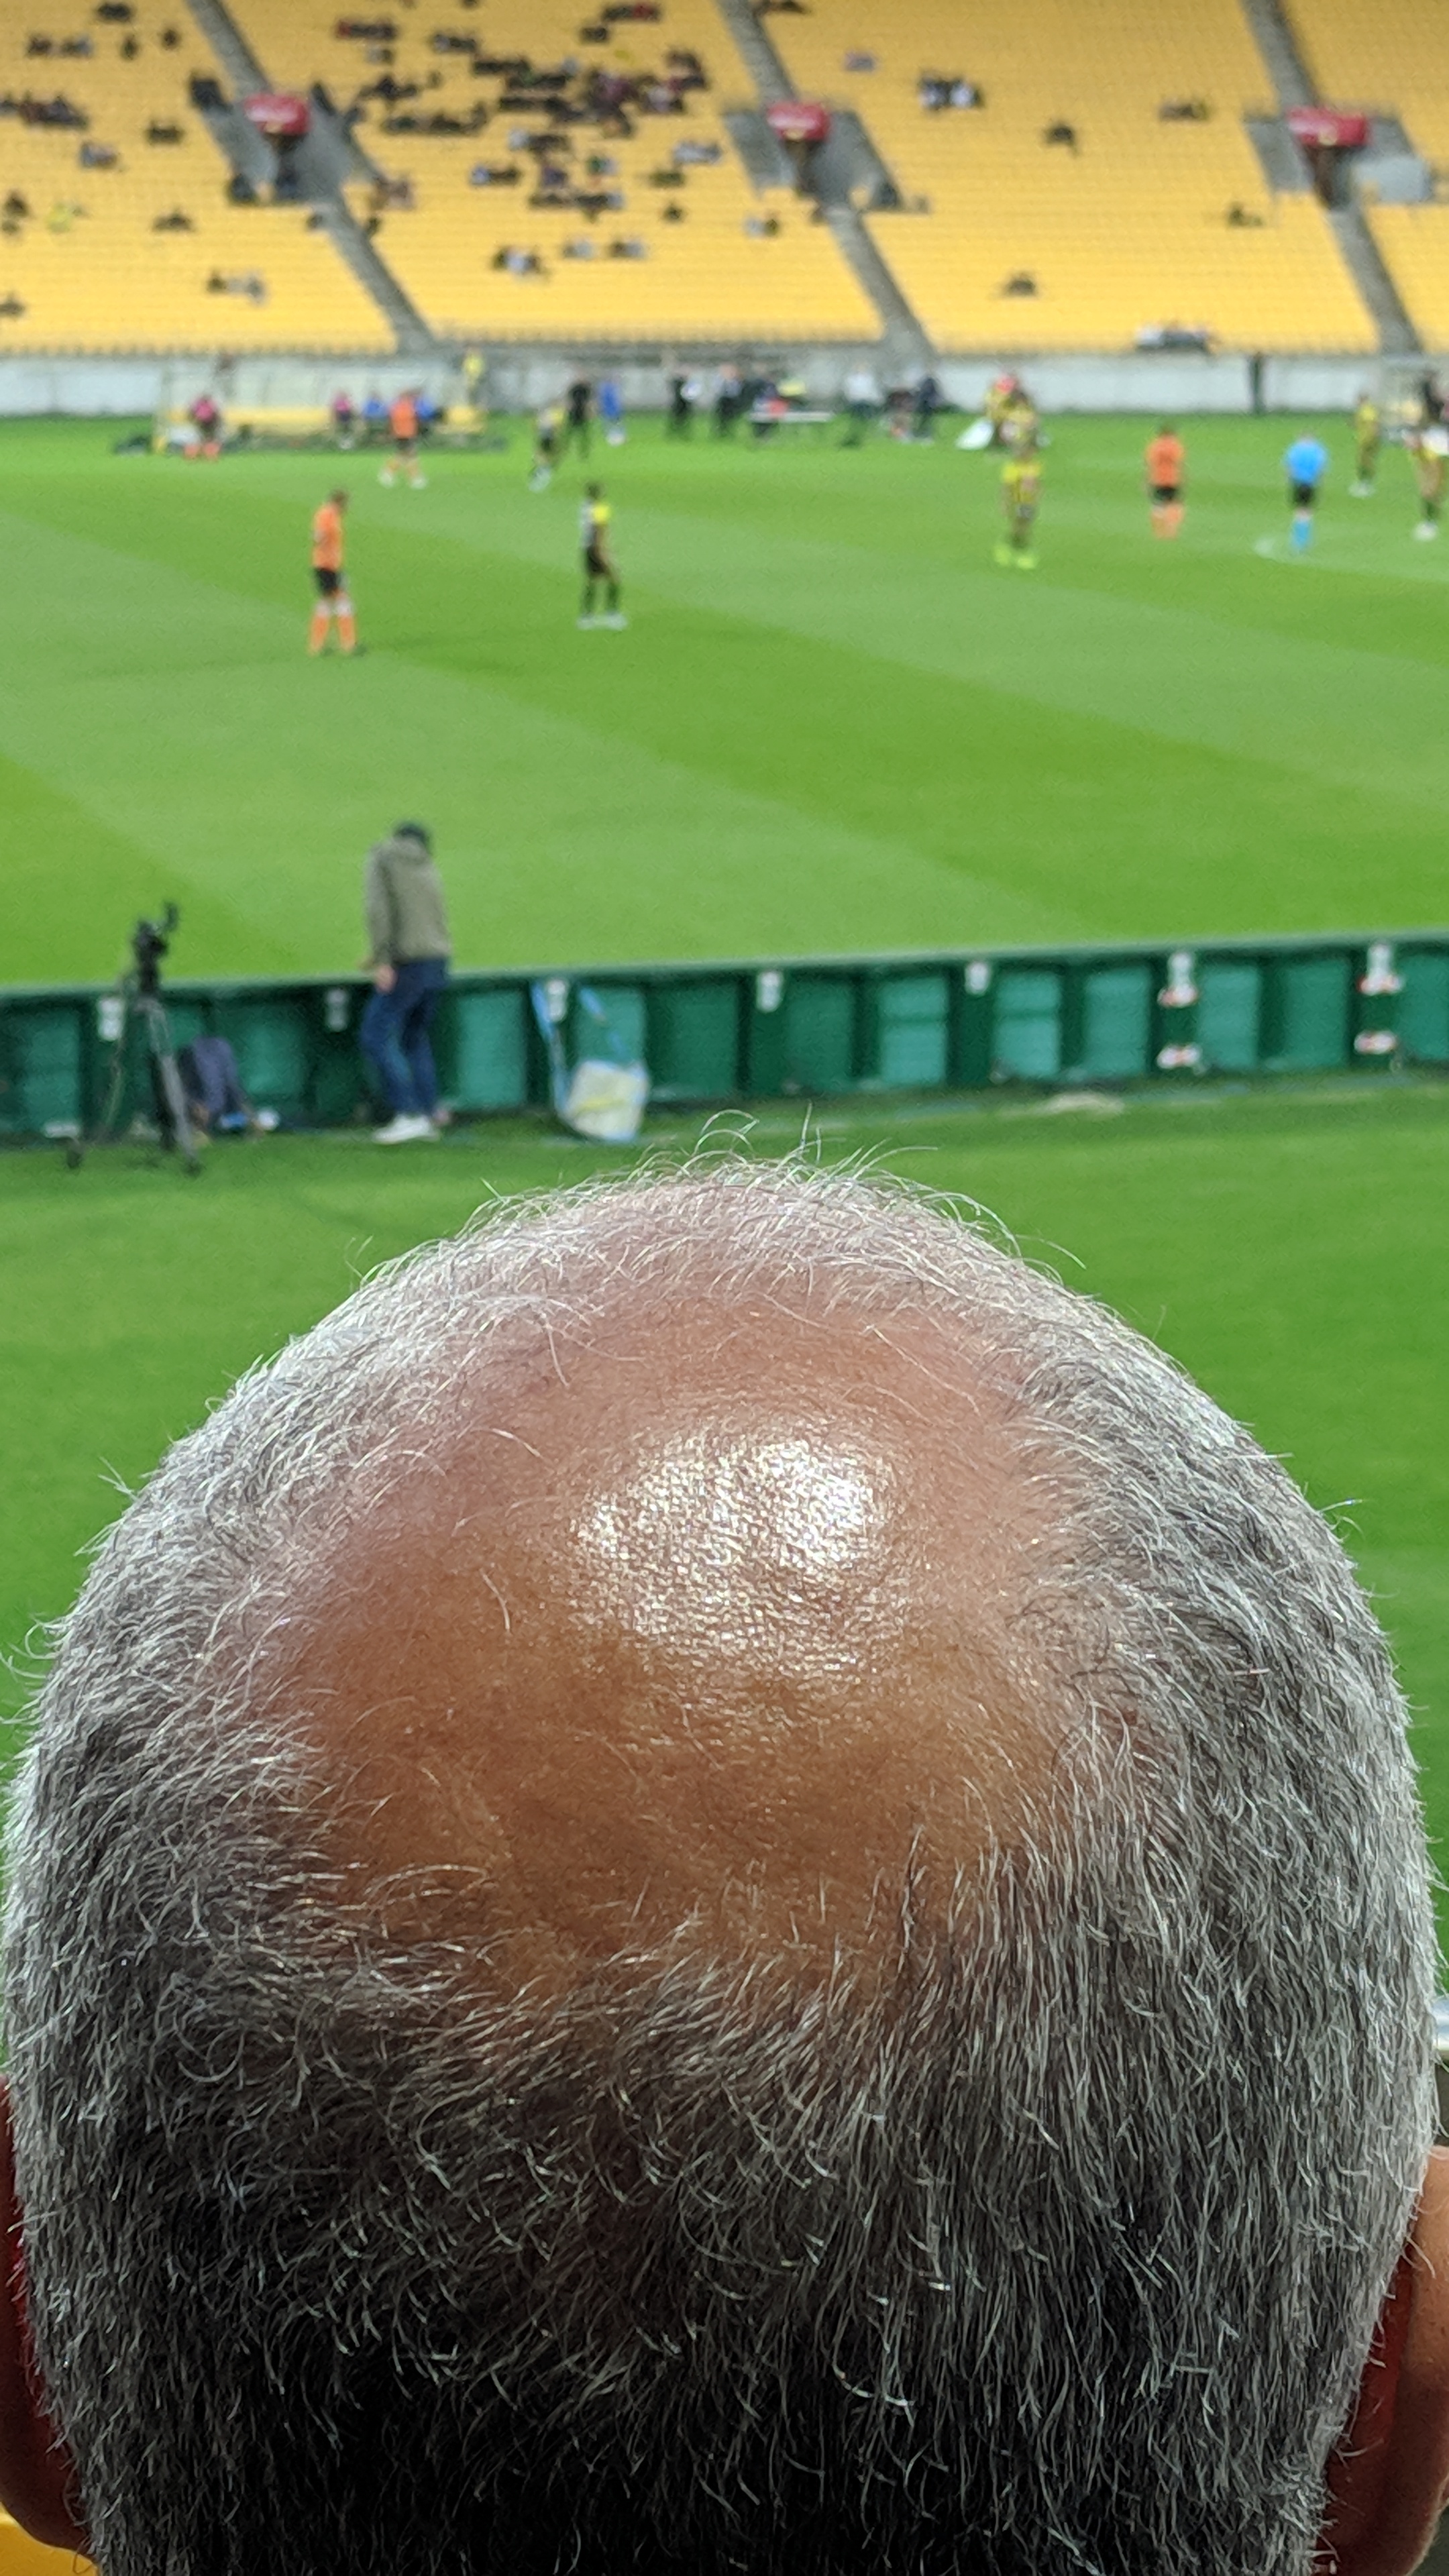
x=394, y=1036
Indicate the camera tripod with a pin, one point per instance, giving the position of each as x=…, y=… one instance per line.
x=142, y=1014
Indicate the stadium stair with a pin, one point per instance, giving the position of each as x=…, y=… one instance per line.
x=1277, y=42
x=1151, y=223
x=688, y=254
x=323, y=167
x=849, y=163
x=1282, y=61
x=120, y=231
x=1396, y=55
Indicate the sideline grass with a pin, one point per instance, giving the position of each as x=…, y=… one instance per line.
x=1291, y=1248
x=832, y=724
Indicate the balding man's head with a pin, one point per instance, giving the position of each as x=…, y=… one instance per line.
x=717, y=1884
x=704, y=1606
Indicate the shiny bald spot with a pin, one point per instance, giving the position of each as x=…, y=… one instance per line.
x=706, y=1619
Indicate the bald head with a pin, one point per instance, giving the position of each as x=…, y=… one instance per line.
x=705, y=1610
x=695, y=1839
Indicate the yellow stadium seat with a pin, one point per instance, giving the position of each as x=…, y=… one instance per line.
x=86, y=265
x=1393, y=57
x=1414, y=242
x=22, y=2556
x=1128, y=230
x=707, y=277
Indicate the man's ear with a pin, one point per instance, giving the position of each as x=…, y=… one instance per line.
x=36, y=2476
x=1388, y=2480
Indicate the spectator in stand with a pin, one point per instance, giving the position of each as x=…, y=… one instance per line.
x=344, y=420
x=938, y=90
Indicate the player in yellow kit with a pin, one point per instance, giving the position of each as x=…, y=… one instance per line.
x=1368, y=430
x=1020, y=494
x=333, y=598
x=598, y=561
x=1430, y=453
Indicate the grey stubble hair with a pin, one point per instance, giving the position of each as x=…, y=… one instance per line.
x=1057, y=2251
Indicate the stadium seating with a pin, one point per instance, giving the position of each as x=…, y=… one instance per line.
x=1125, y=230
x=1394, y=58
x=1414, y=242
x=85, y=268
x=714, y=275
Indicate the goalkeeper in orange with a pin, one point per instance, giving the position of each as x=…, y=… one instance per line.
x=333, y=600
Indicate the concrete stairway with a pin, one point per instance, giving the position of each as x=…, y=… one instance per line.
x=325, y=160
x=850, y=155
x=771, y=80
x=230, y=47
x=1363, y=259
x=1273, y=33
x=1278, y=46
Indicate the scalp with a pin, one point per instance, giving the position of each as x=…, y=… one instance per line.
x=710, y=1615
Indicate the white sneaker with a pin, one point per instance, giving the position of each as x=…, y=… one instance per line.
x=420, y=482
x=617, y=620
x=1426, y=529
x=385, y=476
x=582, y=622
x=404, y=1130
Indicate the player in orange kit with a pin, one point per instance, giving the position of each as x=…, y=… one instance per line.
x=332, y=593
x=1164, y=459
x=403, y=422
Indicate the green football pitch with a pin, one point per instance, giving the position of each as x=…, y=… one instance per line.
x=832, y=724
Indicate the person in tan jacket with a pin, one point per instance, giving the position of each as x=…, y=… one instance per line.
x=408, y=953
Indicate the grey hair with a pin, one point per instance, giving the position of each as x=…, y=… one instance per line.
x=1056, y=2251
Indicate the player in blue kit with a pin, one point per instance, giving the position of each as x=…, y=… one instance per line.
x=1305, y=465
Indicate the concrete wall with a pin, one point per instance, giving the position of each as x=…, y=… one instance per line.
x=1169, y=383
x=520, y=379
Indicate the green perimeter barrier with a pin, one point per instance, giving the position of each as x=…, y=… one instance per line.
x=797, y=1027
